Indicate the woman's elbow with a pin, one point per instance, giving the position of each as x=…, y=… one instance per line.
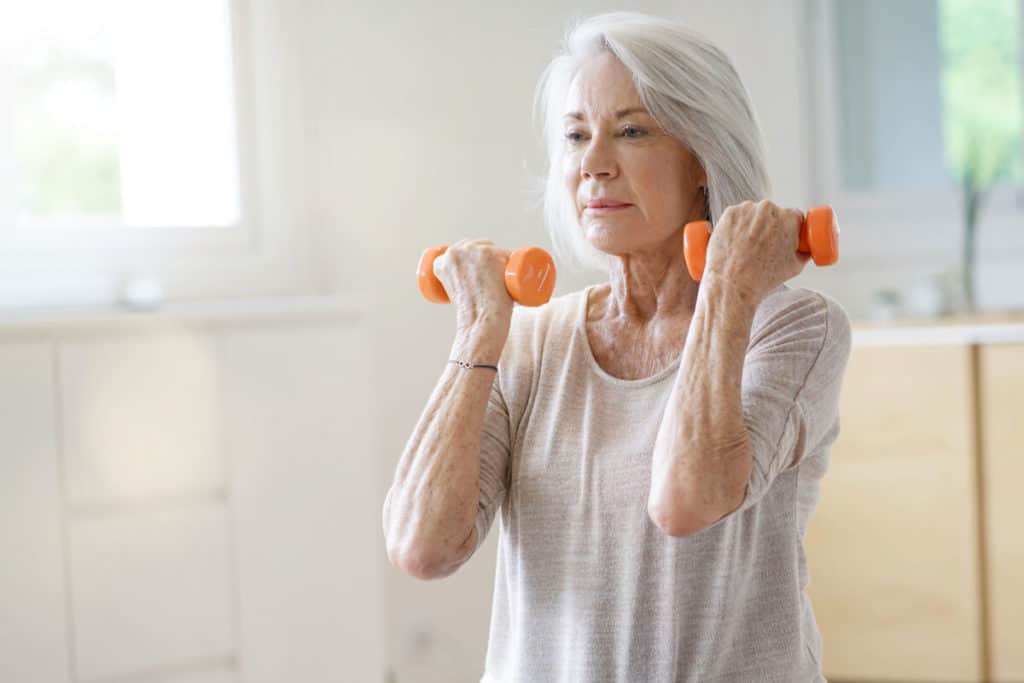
x=682, y=514
x=417, y=564
x=428, y=562
x=679, y=522
x=673, y=509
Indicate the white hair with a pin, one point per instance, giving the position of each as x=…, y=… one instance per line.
x=691, y=89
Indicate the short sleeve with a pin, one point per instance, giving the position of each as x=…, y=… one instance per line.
x=495, y=450
x=792, y=376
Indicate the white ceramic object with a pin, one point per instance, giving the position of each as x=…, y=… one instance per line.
x=142, y=293
x=928, y=298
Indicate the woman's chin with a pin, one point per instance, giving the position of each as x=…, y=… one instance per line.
x=610, y=239
x=621, y=241
x=615, y=242
x=609, y=247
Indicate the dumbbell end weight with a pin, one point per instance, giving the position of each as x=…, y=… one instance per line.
x=430, y=287
x=819, y=236
x=696, y=236
x=530, y=276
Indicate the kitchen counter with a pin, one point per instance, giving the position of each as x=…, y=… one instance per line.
x=986, y=328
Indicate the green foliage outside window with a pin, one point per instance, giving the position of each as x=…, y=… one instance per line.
x=67, y=158
x=981, y=90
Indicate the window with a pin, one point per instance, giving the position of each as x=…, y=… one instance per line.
x=130, y=144
x=123, y=115
x=928, y=91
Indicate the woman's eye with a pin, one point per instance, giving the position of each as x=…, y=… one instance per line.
x=633, y=132
x=574, y=136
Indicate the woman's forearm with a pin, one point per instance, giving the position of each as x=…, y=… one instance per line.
x=702, y=454
x=431, y=507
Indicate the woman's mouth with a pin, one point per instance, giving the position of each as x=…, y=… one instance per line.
x=606, y=205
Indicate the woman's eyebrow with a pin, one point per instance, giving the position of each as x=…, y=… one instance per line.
x=578, y=116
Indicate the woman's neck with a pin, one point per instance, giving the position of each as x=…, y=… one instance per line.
x=644, y=287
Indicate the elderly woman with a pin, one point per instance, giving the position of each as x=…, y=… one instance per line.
x=653, y=446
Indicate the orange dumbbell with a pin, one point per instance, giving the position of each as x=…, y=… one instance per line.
x=819, y=237
x=529, y=276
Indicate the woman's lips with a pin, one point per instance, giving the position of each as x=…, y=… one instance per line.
x=606, y=206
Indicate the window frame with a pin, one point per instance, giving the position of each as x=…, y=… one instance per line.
x=1004, y=202
x=263, y=254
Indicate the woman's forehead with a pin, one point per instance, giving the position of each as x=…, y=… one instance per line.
x=603, y=106
x=602, y=88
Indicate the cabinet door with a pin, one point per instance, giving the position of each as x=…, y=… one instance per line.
x=1002, y=379
x=299, y=421
x=893, y=545
x=34, y=623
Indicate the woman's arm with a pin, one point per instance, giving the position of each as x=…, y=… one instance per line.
x=432, y=504
x=703, y=455
x=705, y=451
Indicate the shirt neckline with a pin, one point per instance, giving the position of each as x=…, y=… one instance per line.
x=581, y=331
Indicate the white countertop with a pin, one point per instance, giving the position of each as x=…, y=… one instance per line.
x=983, y=329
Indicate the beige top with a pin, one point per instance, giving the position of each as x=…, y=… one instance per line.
x=588, y=588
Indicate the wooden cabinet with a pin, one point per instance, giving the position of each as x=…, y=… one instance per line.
x=916, y=551
x=1001, y=373
x=893, y=546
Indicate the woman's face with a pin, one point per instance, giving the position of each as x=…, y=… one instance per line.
x=616, y=155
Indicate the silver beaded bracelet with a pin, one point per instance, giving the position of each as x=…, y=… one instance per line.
x=470, y=366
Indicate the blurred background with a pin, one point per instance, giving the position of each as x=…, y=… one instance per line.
x=212, y=348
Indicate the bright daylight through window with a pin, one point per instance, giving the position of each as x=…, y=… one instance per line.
x=122, y=115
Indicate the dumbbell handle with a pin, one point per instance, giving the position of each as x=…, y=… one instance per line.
x=819, y=237
x=529, y=276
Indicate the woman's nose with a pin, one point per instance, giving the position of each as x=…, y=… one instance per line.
x=597, y=161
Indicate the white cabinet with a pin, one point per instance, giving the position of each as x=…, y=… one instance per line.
x=190, y=503
x=33, y=592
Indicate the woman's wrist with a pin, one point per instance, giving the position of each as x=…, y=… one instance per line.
x=480, y=343
x=724, y=292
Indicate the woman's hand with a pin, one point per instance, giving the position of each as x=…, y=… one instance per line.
x=473, y=275
x=753, y=247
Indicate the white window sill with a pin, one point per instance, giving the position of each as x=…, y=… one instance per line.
x=190, y=314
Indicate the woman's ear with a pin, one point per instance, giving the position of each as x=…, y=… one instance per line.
x=697, y=170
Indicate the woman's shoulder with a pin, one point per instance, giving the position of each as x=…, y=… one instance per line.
x=536, y=331
x=557, y=317
x=797, y=312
